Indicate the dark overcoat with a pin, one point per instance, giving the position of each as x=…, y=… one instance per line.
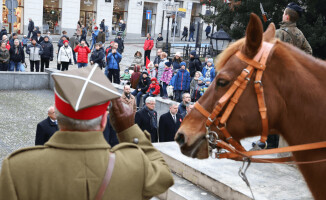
x=45, y=129
x=143, y=119
x=167, y=127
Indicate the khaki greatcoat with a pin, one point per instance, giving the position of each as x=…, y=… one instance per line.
x=71, y=165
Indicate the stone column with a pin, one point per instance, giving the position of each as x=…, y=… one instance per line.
x=70, y=16
x=33, y=9
x=135, y=18
x=104, y=11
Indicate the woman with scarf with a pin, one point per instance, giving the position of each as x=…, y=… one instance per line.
x=209, y=70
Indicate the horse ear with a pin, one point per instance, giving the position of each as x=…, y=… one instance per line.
x=254, y=36
x=269, y=33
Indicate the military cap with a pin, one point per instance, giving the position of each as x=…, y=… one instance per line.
x=83, y=93
x=295, y=7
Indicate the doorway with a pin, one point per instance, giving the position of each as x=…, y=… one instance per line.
x=148, y=26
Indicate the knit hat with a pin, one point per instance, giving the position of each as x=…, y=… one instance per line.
x=201, y=78
x=14, y=34
x=95, y=27
x=144, y=72
x=210, y=60
x=178, y=54
x=127, y=70
x=207, y=80
x=193, y=52
x=183, y=63
x=168, y=64
x=46, y=37
x=65, y=41
x=295, y=7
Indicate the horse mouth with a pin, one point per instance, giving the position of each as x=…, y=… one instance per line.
x=199, y=149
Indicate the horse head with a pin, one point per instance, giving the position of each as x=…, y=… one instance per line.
x=245, y=119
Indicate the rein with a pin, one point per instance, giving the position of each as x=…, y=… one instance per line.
x=235, y=150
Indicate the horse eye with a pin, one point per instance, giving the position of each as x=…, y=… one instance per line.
x=222, y=82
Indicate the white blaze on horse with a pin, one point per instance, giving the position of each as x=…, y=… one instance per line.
x=264, y=85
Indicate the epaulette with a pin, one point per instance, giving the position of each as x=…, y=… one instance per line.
x=124, y=145
x=26, y=149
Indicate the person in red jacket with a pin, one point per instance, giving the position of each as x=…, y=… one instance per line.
x=153, y=90
x=83, y=52
x=148, y=46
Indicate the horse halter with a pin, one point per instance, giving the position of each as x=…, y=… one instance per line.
x=235, y=150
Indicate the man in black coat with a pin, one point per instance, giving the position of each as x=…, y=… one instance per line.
x=186, y=99
x=194, y=63
x=46, y=128
x=17, y=56
x=146, y=118
x=169, y=123
x=47, y=55
x=30, y=27
x=120, y=42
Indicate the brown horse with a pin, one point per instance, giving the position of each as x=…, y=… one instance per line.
x=295, y=94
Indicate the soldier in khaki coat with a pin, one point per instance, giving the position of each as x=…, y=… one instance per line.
x=289, y=32
x=77, y=163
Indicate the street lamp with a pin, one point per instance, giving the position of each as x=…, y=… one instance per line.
x=169, y=7
x=220, y=40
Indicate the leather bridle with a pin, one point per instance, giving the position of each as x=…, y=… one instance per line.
x=234, y=149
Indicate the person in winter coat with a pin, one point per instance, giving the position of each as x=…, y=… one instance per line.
x=83, y=51
x=34, y=33
x=47, y=55
x=194, y=82
x=13, y=38
x=78, y=30
x=97, y=56
x=209, y=70
x=25, y=41
x=3, y=32
x=113, y=69
x=185, y=33
x=4, y=56
x=166, y=78
x=94, y=36
x=196, y=92
x=5, y=39
x=205, y=87
x=138, y=59
x=39, y=37
x=159, y=38
x=30, y=27
x=151, y=70
x=101, y=36
x=157, y=58
x=148, y=46
x=208, y=30
x=142, y=87
x=182, y=82
x=17, y=57
x=120, y=42
x=192, y=32
x=153, y=89
x=73, y=42
x=194, y=63
x=160, y=70
x=134, y=79
x=35, y=51
x=125, y=77
x=65, y=55
x=102, y=25
x=176, y=61
x=60, y=44
x=84, y=35
x=172, y=83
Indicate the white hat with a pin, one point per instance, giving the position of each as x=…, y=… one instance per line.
x=178, y=54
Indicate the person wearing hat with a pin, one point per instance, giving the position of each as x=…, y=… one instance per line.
x=65, y=55
x=34, y=51
x=142, y=87
x=207, y=82
x=94, y=36
x=194, y=63
x=125, y=77
x=289, y=32
x=47, y=55
x=181, y=82
x=196, y=92
x=120, y=42
x=138, y=59
x=209, y=70
x=101, y=36
x=166, y=78
x=77, y=162
x=176, y=61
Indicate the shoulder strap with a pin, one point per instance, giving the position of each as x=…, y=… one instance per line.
x=107, y=177
x=292, y=37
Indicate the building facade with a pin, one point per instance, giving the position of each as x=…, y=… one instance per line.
x=58, y=15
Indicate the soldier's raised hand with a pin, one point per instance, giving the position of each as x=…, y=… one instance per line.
x=121, y=115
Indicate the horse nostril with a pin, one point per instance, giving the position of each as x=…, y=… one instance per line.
x=180, y=139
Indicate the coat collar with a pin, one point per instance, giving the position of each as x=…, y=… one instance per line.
x=78, y=140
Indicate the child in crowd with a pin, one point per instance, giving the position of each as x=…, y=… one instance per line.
x=194, y=83
x=153, y=90
x=166, y=78
x=24, y=41
x=172, y=83
x=196, y=93
x=209, y=70
x=151, y=70
x=204, y=88
x=182, y=82
x=125, y=78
